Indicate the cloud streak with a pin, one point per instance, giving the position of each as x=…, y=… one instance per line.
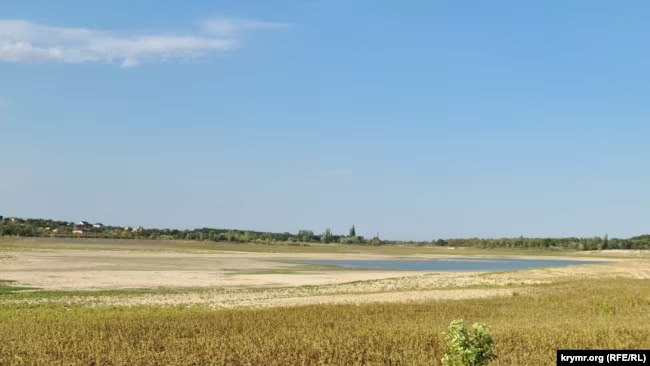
x=224, y=27
x=22, y=41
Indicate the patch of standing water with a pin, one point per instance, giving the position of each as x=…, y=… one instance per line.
x=451, y=264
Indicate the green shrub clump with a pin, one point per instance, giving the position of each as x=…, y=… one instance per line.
x=465, y=349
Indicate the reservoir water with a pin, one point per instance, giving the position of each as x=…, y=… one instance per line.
x=451, y=264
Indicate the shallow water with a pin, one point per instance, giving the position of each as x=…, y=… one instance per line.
x=451, y=264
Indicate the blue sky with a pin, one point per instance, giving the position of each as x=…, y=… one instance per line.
x=418, y=121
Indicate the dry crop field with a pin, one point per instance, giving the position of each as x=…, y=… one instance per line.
x=69, y=302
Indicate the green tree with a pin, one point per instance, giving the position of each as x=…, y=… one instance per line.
x=305, y=235
x=327, y=237
x=353, y=232
x=468, y=349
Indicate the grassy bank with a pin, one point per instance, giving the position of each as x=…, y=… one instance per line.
x=612, y=313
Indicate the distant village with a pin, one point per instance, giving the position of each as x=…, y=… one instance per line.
x=18, y=227
x=84, y=227
x=63, y=228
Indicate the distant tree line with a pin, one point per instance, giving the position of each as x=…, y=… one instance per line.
x=19, y=227
x=593, y=243
x=51, y=228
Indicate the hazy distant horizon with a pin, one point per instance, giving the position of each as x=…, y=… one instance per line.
x=417, y=121
x=343, y=232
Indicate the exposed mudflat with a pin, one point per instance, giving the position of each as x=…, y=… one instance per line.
x=260, y=279
x=100, y=269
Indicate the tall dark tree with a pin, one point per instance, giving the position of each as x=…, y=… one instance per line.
x=327, y=237
x=352, y=231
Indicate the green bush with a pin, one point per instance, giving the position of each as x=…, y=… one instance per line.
x=465, y=349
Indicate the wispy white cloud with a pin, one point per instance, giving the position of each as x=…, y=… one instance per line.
x=225, y=27
x=24, y=41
